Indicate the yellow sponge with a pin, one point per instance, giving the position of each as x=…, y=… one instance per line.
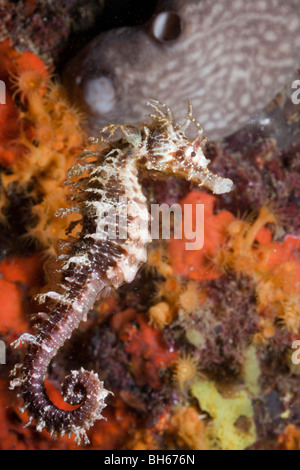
x=251, y=370
x=232, y=427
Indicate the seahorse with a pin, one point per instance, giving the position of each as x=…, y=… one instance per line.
x=102, y=180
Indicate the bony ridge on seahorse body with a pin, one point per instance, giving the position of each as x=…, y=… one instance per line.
x=92, y=263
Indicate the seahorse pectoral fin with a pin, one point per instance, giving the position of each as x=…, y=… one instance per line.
x=25, y=338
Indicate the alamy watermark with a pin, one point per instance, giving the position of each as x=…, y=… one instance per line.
x=182, y=223
x=296, y=95
x=2, y=352
x=165, y=221
x=296, y=354
x=2, y=92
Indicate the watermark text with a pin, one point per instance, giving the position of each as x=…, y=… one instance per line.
x=2, y=352
x=166, y=221
x=2, y=92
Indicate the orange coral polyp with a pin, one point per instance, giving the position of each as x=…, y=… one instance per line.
x=290, y=439
x=69, y=120
x=290, y=312
x=185, y=370
x=239, y=253
x=44, y=135
x=39, y=140
x=157, y=261
x=264, y=217
x=236, y=228
x=189, y=299
x=160, y=315
x=189, y=428
x=29, y=82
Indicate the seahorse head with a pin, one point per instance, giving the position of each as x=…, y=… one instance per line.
x=168, y=150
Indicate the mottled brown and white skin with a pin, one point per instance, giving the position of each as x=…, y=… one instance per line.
x=229, y=56
x=95, y=261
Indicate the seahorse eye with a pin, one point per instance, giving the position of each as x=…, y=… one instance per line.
x=193, y=154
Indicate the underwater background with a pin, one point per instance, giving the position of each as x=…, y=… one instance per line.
x=200, y=349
